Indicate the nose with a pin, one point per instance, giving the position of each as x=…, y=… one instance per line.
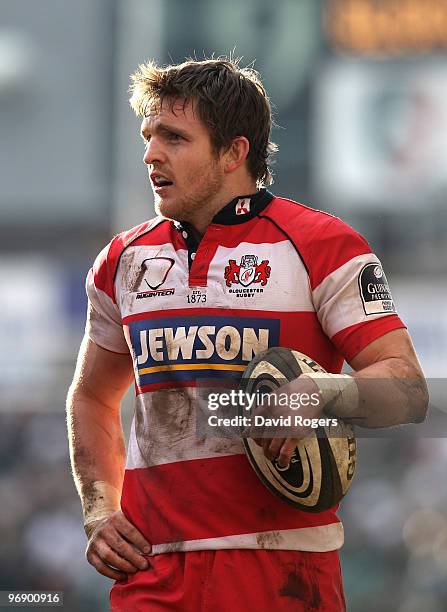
x=153, y=152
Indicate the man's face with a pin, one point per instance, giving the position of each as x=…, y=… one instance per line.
x=186, y=175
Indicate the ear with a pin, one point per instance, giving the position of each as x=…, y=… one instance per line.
x=236, y=154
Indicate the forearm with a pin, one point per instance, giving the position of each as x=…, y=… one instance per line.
x=391, y=392
x=384, y=394
x=97, y=454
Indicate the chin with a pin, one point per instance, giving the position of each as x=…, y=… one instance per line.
x=169, y=209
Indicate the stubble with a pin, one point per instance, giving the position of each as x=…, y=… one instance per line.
x=200, y=198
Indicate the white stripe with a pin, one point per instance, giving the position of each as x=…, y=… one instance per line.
x=130, y=279
x=313, y=539
x=287, y=288
x=337, y=298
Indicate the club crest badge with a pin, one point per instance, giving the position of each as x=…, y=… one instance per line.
x=247, y=272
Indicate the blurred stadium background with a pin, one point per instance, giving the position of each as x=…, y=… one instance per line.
x=360, y=95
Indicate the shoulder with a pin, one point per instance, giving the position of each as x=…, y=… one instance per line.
x=106, y=263
x=123, y=240
x=304, y=221
x=324, y=241
x=112, y=252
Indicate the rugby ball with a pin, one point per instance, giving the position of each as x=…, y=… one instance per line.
x=323, y=464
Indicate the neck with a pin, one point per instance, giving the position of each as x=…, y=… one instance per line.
x=204, y=218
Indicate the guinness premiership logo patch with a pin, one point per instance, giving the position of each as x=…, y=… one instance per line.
x=374, y=290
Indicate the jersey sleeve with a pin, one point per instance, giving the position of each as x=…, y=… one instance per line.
x=350, y=291
x=103, y=324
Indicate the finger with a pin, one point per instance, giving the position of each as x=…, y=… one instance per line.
x=104, y=569
x=266, y=445
x=109, y=556
x=258, y=433
x=132, y=535
x=286, y=452
x=273, y=449
x=125, y=550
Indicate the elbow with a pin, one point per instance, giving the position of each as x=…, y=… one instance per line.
x=420, y=415
x=422, y=399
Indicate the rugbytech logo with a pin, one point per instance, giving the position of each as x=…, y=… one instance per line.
x=154, y=272
x=187, y=348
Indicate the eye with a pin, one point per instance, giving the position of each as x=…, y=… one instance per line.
x=173, y=137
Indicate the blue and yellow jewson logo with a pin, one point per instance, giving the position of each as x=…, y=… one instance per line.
x=186, y=348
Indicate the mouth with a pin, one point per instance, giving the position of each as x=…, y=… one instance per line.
x=159, y=182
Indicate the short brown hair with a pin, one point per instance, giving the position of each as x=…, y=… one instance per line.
x=230, y=100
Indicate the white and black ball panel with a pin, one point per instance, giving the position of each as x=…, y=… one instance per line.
x=300, y=483
x=344, y=451
x=323, y=464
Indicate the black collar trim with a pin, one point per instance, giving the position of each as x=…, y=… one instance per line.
x=243, y=208
x=239, y=210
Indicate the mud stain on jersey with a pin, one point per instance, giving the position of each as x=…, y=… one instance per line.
x=127, y=279
x=174, y=547
x=131, y=273
x=266, y=514
x=174, y=412
x=128, y=273
x=165, y=429
x=164, y=425
x=269, y=539
x=302, y=584
x=230, y=446
x=136, y=284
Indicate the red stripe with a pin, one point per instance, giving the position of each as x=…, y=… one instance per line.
x=255, y=231
x=353, y=339
x=165, y=234
x=201, y=382
x=102, y=278
x=212, y=312
x=301, y=331
x=198, y=274
x=165, y=385
x=207, y=498
x=336, y=244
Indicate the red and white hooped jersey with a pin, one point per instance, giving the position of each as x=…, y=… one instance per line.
x=267, y=272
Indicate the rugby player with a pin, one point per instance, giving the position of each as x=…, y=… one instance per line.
x=224, y=271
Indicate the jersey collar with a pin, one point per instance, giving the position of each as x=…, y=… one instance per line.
x=239, y=210
x=243, y=208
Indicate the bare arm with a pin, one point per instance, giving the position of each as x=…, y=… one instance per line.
x=97, y=456
x=391, y=384
x=390, y=389
x=94, y=424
